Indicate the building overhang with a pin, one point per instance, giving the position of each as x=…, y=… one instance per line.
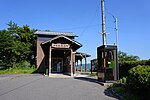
x=80, y=55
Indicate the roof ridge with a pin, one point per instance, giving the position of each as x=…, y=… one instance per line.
x=55, y=33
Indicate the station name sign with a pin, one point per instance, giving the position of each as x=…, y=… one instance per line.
x=59, y=45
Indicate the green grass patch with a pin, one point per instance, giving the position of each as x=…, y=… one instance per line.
x=93, y=74
x=17, y=71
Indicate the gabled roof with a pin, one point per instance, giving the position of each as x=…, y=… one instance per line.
x=59, y=36
x=55, y=33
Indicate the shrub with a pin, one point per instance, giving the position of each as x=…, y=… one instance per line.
x=123, y=80
x=138, y=80
x=22, y=64
x=125, y=66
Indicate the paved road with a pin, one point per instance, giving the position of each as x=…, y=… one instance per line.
x=39, y=87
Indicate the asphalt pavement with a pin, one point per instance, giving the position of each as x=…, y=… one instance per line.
x=39, y=87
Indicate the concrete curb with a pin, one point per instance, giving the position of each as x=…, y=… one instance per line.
x=104, y=84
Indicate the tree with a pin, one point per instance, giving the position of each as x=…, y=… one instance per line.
x=124, y=57
x=12, y=26
x=6, y=44
x=27, y=38
x=17, y=44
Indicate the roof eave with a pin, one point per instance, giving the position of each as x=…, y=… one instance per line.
x=63, y=37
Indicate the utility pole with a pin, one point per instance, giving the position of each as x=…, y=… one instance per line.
x=103, y=23
x=105, y=50
x=103, y=36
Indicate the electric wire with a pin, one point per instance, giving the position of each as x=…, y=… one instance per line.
x=77, y=27
x=90, y=22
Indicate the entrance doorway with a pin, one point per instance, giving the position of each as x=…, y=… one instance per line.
x=57, y=65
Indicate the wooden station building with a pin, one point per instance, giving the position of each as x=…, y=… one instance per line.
x=57, y=52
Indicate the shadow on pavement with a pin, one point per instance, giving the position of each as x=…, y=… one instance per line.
x=88, y=79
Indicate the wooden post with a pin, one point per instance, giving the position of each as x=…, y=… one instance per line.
x=77, y=65
x=74, y=67
x=85, y=63
x=91, y=66
x=115, y=66
x=74, y=64
x=80, y=65
x=50, y=57
x=71, y=63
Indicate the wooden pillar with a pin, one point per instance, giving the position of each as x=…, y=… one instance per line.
x=115, y=66
x=80, y=65
x=71, y=63
x=74, y=62
x=50, y=57
x=91, y=66
x=74, y=68
x=77, y=65
x=85, y=64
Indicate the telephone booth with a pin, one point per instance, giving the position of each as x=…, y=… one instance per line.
x=107, y=63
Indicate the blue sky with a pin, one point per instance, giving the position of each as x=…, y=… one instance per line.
x=83, y=17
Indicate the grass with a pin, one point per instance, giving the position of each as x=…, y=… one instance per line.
x=17, y=71
x=91, y=75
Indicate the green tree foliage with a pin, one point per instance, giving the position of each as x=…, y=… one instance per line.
x=12, y=26
x=124, y=57
x=25, y=43
x=17, y=44
x=6, y=44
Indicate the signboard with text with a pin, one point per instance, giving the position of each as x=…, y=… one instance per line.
x=59, y=45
